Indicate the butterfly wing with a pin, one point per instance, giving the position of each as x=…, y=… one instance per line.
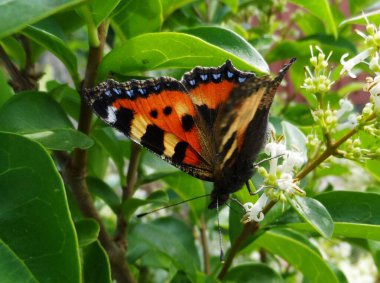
x=241, y=130
x=157, y=114
x=210, y=90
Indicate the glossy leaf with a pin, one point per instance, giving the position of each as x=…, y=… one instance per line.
x=14, y=50
x=295, y=139
x=299, y=255
x=168, y=236
x=133, y=18
x=354, y=214
x=35, y=222
x=188, y=187
x=56, y=46
x=16, y=15
x=231, y=42
x=253, y=273
x=100, y=9
x=102, y=190
x=106, y=138
x=96, y=266
x=62, y=139
x=169, y=6
x=166, y=50
x=5, y=89
x=87, y=231
x=41, y=118
x=321, y=9
x=314, y=213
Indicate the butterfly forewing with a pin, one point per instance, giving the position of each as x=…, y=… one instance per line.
x=158, y=114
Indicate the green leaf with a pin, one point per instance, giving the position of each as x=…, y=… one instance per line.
x=5, y=89
x=253, y=273
x=87, y=231
x=373, y=166
x=169, y=6
x=61, y=139
x=298, y=254
x=100, y=9
x=102, y=190
x=355, y=214
x=106, y=138
x=14, y=50
x=231, y=42
x=373, y=17
x=15, y=15
x=56, y=46
x=314, y=213
x=166, y=50
x=37, y=115
x=133, y=18
x=96, y=266
x=35, y=222
x=322, y=10
x=188, y=187
x=13, y=268
x=295, y=139
x=170, y=237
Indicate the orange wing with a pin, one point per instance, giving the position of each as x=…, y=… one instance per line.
x=159, y=115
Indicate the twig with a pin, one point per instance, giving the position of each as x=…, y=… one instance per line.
x=249, y=229
x=128, y=191
x=205, y=250
x=19, y=81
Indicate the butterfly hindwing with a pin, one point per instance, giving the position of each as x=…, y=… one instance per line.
x=156, y=113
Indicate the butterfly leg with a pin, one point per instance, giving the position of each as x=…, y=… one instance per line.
x=248, y=185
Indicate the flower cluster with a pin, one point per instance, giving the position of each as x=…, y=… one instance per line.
x=279, y=182
x=316, y=81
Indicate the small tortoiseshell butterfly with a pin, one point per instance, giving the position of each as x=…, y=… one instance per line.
x=211, y=124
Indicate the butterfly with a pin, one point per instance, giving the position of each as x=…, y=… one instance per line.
x=211, y=124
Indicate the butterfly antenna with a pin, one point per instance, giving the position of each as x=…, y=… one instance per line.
x=255, y=165
x=170, y=205
x=220, y=232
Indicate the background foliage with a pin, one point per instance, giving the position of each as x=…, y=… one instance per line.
x=70, y=186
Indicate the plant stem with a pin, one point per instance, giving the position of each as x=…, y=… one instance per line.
x=77, y=170
x=20, y=81
x=128, y=191
x=205, y=250
x=249, y=229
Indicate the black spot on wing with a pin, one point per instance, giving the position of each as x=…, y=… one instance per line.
x=124, y=118
x=154, y=113
x=167, y=110
x=179, y=152
x=187, y=122
x=153, y=139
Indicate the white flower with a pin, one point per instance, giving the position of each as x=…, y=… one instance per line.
x=345, y=107
x=287, y=184
x=254, y=212
x=274, y=149
x=352, y=122
x=350, y=64
x=292, y=159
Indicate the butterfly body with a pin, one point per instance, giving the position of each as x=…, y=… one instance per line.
x=211, y=124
